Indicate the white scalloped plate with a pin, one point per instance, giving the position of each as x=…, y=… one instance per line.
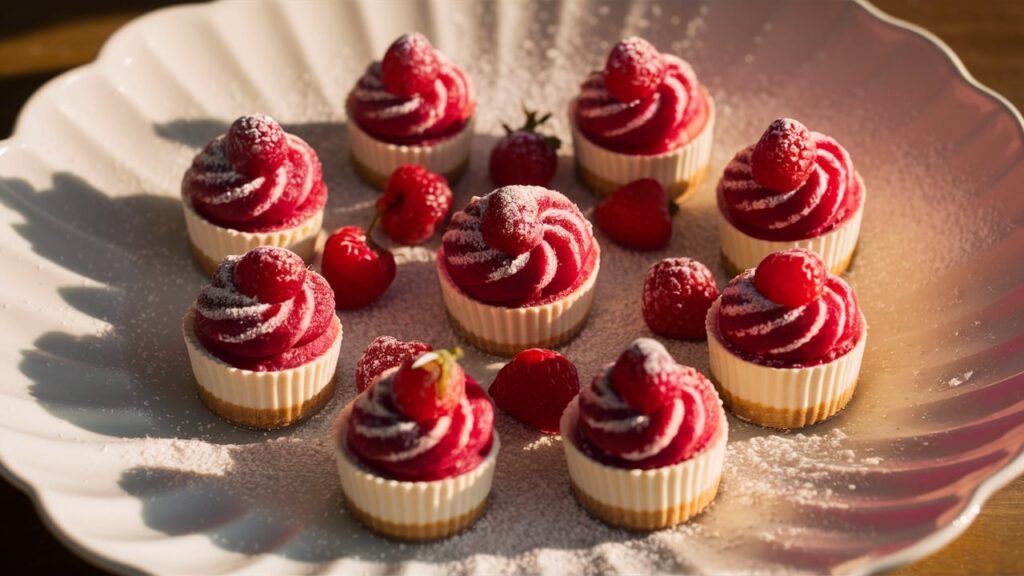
x=99, y=423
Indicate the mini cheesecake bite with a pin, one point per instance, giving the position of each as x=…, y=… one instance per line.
x=786, y=341
x=645, y=115
x=416, y=450
x=254, y=186
x=793, y=188
x=413, y=107
x=263, y=340
x=517, y=269
x=645, y=442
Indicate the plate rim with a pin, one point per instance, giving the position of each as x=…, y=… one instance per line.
x=919, y=550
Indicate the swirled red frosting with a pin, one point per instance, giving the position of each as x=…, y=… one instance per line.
x=761, y=331
x=273, y=198
x=564, y=256
x=418, y=120
x=830, y=196
x=670, y=117
x=400, y=448
x=612, y=432
x=261, y=336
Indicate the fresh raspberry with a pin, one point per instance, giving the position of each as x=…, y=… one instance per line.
x=415, y=201
x=535, y=387
x=429, y=385
x=357, y=270
x=791, y=278
x=525, y=156
x=634, y=70
x=270, y=274
x=637, y=215
x=383, y=354
x=511, y=222
x=677, y=295
x=784, y=156
x=256, y=144
x=410, y=65
x=646, y=376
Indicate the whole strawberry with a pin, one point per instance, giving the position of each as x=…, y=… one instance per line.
x=357, y=269
x=525, y=156
x=677, y=295
x=415, y=201
x=637, y=216
x=535, y=387
x=383, y=354
x=429, y=385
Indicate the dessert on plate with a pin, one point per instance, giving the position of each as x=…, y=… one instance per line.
x=517, y=269
x=786, y=341
x=792, y=189
x=645, y=442
x=263, y=339
x=254, y=186
x=644, y=115
x=414, y=107
x=416, y=449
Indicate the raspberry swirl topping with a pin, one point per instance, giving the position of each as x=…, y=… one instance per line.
x=265, y=311
x=762, y=331
x=256, y=178
x=434, y=114
x=403, y=448
x=657, y=414
x=828, y=196
x=519, y=246
x=669, y=117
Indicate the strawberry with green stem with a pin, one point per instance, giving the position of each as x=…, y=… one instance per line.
x=525, y=156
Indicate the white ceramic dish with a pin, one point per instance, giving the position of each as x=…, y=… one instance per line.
x=99, y=423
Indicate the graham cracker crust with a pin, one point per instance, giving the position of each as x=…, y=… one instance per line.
x=785, y=418
x=266, y=418
x=415, y=532
x=510, y=350
x=204, y=261
x=379, y=181
x=733, y=270
x=645, y=520
x=678, y=192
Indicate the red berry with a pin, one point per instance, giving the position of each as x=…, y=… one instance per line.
x=415, y=201
x=525, y=156
x=637, y=215
x=383, y=354
x=429, y=385
x=783, y=158
x=410, y=65
x=677, y=295
x=270, y=274
x=357, y=272
x=256, y=144
x=646, y=376
x=634, y=70
x=791, y=278
x=510, y=222
x=535, y=387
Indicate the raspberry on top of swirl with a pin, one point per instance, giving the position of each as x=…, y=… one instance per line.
x=519, y=246
x=255, y=178
x=789, y=312
x=646, y=411
x=416, y=96
x=265, y=311
x=643, y=102
x=425, y=420
x=792, y=184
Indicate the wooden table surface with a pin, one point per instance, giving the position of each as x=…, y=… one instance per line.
x=40, y=39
